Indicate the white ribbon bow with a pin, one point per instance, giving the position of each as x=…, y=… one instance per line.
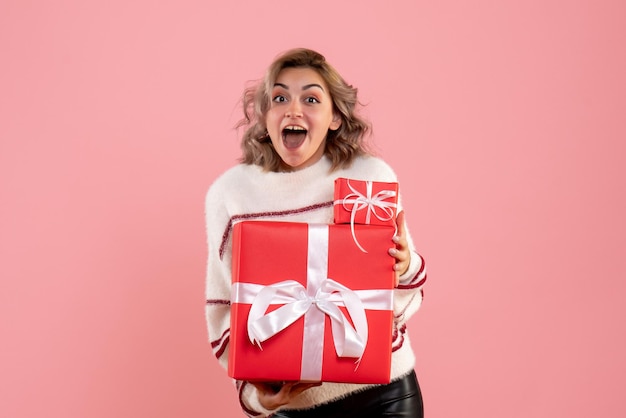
x=360, y=201
x=349, y=341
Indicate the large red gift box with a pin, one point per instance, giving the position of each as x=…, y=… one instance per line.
x=308, y=305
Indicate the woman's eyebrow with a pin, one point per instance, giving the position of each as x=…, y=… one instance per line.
x=308, y=86
x=305, y=87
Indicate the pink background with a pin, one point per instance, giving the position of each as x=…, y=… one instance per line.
x=504, y=121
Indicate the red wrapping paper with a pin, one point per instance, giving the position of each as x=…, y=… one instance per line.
x=355, y=202
x=265, y=253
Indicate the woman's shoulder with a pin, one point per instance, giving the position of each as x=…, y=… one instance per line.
x=234, y=177
x=369, y=167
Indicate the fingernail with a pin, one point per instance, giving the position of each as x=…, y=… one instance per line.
x=396, y=239
x=393, y=251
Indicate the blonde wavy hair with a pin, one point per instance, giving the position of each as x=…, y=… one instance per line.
x=342, y=145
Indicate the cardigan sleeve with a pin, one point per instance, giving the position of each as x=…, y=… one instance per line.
x=408, y=294
x=218, y=288
x=218, y=276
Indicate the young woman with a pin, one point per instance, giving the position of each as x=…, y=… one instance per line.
x=302, y=132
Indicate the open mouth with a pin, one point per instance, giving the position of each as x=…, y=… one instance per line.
x=293, y=136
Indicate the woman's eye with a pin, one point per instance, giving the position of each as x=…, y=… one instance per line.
x=279, y=99
x=312, y=100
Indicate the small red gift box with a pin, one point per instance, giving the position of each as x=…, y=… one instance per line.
x=365, y=202
x=308, y=305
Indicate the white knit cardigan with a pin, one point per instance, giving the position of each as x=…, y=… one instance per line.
x=246, y=192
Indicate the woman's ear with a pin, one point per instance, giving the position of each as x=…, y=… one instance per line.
x=336, y=122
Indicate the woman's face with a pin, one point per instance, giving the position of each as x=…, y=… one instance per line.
x=300, y=115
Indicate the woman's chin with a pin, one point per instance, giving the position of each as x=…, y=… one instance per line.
x=297, y=163
x=291, y=165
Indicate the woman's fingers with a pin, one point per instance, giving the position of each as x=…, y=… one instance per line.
x=400, y=224
x=401, y=251
x=273, y=395
x=298, y=388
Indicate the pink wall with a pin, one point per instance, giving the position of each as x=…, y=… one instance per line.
x=504, y=121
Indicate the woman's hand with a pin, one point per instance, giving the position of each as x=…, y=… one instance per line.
x=273, y=395
x=401, y=251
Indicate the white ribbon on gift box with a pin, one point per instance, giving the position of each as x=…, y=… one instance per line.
x=361, y=201
x=326, y=294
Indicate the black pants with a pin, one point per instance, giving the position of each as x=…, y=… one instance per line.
x=400, y=398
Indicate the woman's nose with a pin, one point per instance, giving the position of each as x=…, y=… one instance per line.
x=294, y=110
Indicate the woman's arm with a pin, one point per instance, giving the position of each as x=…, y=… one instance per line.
x=410, y=274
